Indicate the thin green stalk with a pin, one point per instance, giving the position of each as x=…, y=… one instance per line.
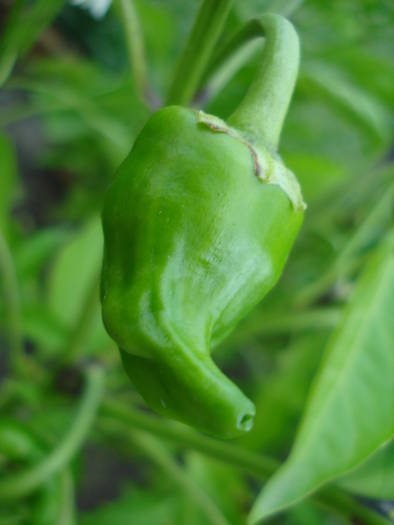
x=135, y=48
x=25, y=482
x=66, y=514
x=284, y=7
x=197, y=51
x=157, y=453
x=12, y=305
x=262, y=111
x=55, y=500
x=258, y=464
x=265, y=323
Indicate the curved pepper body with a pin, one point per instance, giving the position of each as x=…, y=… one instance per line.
x=194, y=238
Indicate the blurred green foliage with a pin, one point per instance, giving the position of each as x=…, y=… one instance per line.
x=69, y=112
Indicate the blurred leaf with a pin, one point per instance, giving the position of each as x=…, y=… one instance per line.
x=363, y=237
x=312, y=256
x=16, y=40
x=349, y=412
x=83, y=103
x=339, y=25
x=223, y=484
x=72, y=283
x=163, y=25
x=332, y=84
x=282, y=395
x=96, y=120
x=312, y=167
x=253, y=8
x=371, y=70
x=375, y=477
x=350, y=201
x=136, y=507
x=74, y=270
x=35, y=250
x=8, y=180
x=43, y=328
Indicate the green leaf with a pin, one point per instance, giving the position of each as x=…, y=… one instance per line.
x=349, y=413
x=375, y=477
x=73, y=272
x=72, y=279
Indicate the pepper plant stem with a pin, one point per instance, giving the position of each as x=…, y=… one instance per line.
x=262, y=111
x=135, y=47
x=336, y=500
x=67, y=503
x=196, y=54
x=25, y=482
x=261, y=465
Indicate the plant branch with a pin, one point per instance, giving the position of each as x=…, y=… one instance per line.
x=334, y=499
x=67, y=503
x=262, y=111
x=197, y=51
x=135, y=49
x=185, y=437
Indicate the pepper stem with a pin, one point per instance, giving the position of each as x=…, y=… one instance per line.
x=261, y=113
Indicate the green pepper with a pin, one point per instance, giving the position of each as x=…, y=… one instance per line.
x=198, y=224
